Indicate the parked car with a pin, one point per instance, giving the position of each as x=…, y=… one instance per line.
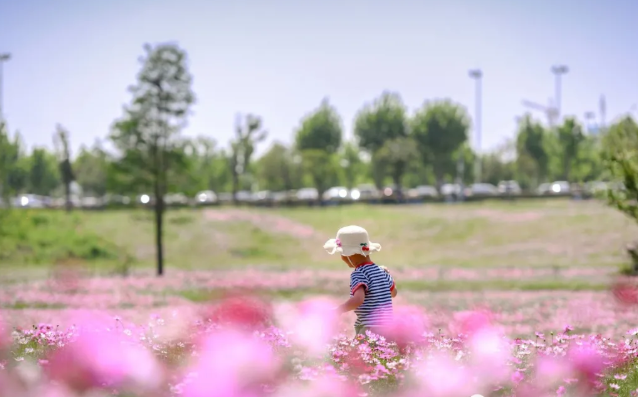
x=244, y=196
x=225, y=198
x=91, y=203
x=281, y=198
x=176, y=200
x=32, y=201
x=336, y=194
x=390, y=194
x=554, y=188
x=307, y=195
x=594, y=189
x=368, y=193
x=116, y=200
x=451, y=189
x=145, y=200
x=206, y=197
x=509, y=188
x=264, y=198
x=481, y=190
x=422, y=193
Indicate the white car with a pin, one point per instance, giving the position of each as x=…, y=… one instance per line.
x=307, y=194
x=206, y=197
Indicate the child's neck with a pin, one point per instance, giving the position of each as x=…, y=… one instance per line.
x=360, y=261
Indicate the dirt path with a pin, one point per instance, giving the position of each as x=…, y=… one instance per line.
x=271, y=223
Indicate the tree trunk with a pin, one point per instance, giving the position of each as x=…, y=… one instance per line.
x=159, y=218
x=396, y=178
x=568, y=163
x=67, y=196
x=235, y=188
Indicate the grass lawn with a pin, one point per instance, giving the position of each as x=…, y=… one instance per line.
x=523, y=234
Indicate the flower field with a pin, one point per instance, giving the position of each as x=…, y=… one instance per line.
x=144, y=336
x=531, y=306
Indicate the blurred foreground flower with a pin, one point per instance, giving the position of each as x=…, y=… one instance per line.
x=312, y=323
x=408, y=326
x=98, y=358
x=232, y=364
x=242, y=312
x=625, y=293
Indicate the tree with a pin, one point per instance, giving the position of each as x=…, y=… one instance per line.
x=9, y=154
x=318, y=139
x=43, y=177
x=351, y=163
x=620, y=153
x=61, y=142
x=395, y=156
x=377, y=123
x=277, y=170
x=90, y=168
x=531, y=144
x=147, y=136
x=440, y=128
x=321, y=167
x=570, y=137
x=209, y=168
x=247, y=135
x=321, y=130
x=383, y=120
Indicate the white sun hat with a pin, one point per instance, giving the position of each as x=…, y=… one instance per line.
x=351, y=240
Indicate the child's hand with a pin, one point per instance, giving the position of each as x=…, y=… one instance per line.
x=385, y=269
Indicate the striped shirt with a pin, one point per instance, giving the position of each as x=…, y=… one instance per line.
x=376, y=309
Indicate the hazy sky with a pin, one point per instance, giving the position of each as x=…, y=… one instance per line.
x=72, y=60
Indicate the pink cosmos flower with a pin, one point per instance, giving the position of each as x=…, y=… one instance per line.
x=234, y=364
x=472, y=321
x=313, y=324
x=242, y=311
x=98, y=358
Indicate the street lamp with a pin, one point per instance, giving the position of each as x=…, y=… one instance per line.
x=3, y=58
x=477, y=75
x=558, y=71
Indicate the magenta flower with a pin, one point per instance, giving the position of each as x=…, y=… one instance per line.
x=338, y=242
x=231, y=363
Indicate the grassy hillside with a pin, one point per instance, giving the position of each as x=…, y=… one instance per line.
x=520, y=234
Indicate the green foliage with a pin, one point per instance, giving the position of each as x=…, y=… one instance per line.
x=321, y=130
x=395, y=156
x=621, y=156
x=532, y=151
x=353, y=166
x=91, y=167
x=247, y=135
x=61, y=141
x=49, y=237
x=570, y=138
x=321, y=168
x=440, y=128
x=383, y=120
x=276, y=170
x=43, y=175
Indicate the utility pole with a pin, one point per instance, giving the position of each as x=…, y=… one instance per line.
x=558, y=71
x=3, y=58
x=477, y=75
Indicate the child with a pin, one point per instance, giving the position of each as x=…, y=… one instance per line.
x=371, y=286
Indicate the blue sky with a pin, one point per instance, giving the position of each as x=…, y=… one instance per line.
x=73, y=59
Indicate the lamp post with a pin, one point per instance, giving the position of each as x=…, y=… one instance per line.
x=477, y=75
x=3, y=58
x=558, y=71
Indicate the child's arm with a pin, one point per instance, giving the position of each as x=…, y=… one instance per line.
x=393, y=287
x=354, y=302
